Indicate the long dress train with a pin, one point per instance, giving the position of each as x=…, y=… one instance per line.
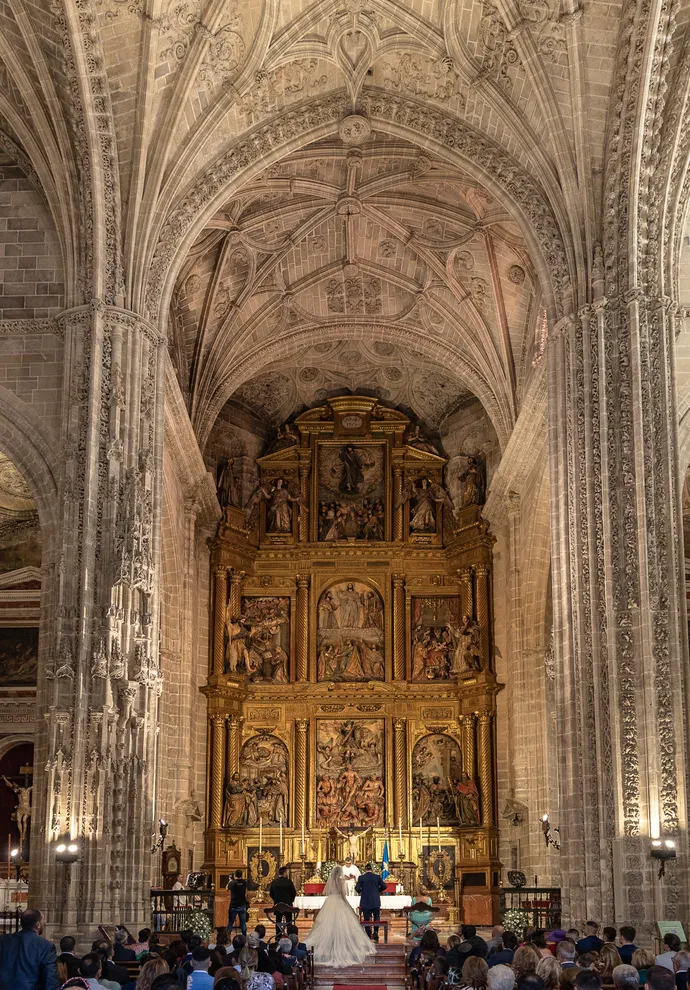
x=337, y=937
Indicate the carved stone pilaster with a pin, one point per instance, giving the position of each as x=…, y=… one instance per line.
x=301, y=740
x=485, y=768
x=400, y=771
x=399, y=627
x=469, y=745
x=220, y=606
x=302, y=638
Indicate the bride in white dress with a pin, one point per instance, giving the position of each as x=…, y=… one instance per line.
x=337, y=937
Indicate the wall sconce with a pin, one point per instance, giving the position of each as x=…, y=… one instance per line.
x=67, y=853
x=162, y=833
x=663, y=849
x=546, y=829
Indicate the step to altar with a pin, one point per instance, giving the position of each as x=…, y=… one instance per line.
x=386, y=969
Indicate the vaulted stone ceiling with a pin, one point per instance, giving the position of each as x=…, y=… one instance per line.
x=420, y=269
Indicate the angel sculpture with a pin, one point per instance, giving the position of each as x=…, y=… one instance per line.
x=425, y=497
x=279, y=496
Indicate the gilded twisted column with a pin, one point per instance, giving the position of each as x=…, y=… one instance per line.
x=302, y=639
x=235, y=602
x=486, y=768
x=221, y=575
x=465, y=578
x=400, y=771
x=217, y=769
x=467, y=723
x=398, y=508
x=304, y=469
x=234, y=739
x=301, y=730
x=398, y=627
x=482, y=576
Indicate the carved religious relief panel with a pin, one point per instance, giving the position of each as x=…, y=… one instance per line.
x=441, y=790
x=350, y=773
x=260, y=789
x=349, y=638
x=444, y=642
x=351, y=491
x=258, y=642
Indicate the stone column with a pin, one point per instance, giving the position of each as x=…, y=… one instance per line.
x=98, y=693
x=301, y=741
x=466, y=603
x=481, y=573
x=399, y=627
x=486, y=769
x=467, y=724
x=400, y=772
x=220, y=605
x=619, y=611
x=217, y=730
x=302, y=637
x=234, y=741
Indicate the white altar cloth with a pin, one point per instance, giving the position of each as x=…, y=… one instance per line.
x=389, y=902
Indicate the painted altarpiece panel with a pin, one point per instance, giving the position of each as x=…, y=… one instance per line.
x=350, y=772
x=350, y=638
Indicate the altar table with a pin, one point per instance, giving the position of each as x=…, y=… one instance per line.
x=389, y=902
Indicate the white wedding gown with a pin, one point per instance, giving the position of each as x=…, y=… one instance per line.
x=337, y=937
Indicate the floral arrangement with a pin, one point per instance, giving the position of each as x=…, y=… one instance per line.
x=516, y=921
x=197, y=921
x=327, y=869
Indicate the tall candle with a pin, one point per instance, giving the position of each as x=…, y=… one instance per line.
x=421, y=838
x=400, y=835
x=261, y=834
x=438, y=832
x=281, y=835
x=303, y=840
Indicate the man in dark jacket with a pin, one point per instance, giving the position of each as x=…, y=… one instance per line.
x=110, y=970
x=370, y=886
x=27, y=961
x=282, y=891
x=121, y=952
x=238, y=902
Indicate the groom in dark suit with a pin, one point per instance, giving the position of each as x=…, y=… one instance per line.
x=370, y=886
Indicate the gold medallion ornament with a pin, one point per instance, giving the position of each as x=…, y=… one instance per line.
x=256, y=868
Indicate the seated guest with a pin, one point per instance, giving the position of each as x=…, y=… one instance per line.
x=227, y=978
x=172, y=960
x=276, y=966
x=165, y=982
x=200, y=978
x=474, y=974
x=538, y=940
x=500, y=978
x=143, y=944
x=285, y=946
x=627, y=946
x=469, y=933
x=588, y=979
x=111, y=971
x=574, y=935
x=251, y=979
x=494, y=943
x=261, y=932
x=608, y=960
x=299, y=949
x=193, y=942
x=438, y=974
x=589, y=960
x=76, y=981
x=90, y=968
x=591, y=942
x=506, y=952
x=681, y=960
x=642, y=960
x=525, y=961
x=67, y=944
x=149, y=971
x=660, y=978
x=429, y=943
x=609, y=934
x=530, y=981
x=549, y=970
x=221, y=940
x=625, y=977
x=67, y=966
x=565, y=953
x=121, y=952
x=671, y=946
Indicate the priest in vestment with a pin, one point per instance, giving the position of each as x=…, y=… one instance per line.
x=351, y=875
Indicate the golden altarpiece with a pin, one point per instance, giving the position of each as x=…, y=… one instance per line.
x=352, y=694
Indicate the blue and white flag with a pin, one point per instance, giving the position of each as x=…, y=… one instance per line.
x=384, y=870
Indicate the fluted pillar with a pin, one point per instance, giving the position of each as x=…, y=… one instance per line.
x=302, y=638
x=485, y=769
x=399, y=627
x=465, y=578
x=301, y=739
x=467, y=724
x=400, y=771
x=235, y=600
x=234, y=740
x=217, y=727
x=221, y=598
x=481, y=572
